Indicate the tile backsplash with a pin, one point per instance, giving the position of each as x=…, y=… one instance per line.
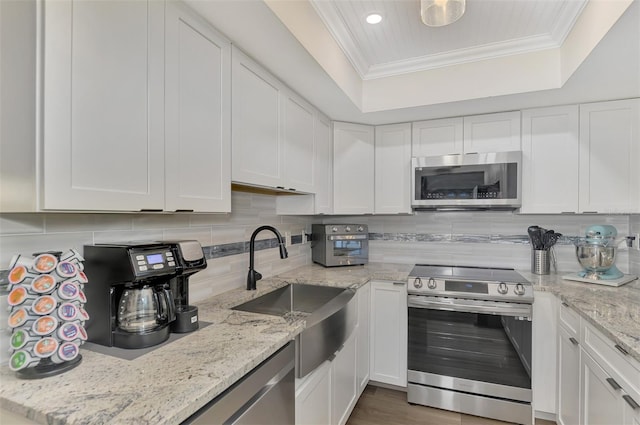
x=483, y=238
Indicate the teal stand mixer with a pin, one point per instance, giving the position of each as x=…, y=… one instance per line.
x=596, y=253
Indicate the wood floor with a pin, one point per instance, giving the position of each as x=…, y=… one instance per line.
x=381, y=406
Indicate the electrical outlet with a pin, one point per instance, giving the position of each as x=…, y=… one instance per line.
x=636, y=242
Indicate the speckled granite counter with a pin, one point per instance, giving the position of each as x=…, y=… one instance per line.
x=172, y=382
x=614, y=311
x=169, y=384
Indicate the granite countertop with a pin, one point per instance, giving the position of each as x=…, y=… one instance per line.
x=169, y=384
x=172, y=382
x=613, y=311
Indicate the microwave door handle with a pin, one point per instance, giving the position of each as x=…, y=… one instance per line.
x=347, y=237
x=469, y=306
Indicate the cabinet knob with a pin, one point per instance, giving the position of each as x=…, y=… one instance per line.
x=630, y=401
x=622, y=350
x=573, y=341
x=613, y=384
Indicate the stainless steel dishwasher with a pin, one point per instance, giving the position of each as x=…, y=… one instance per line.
x=265, y=396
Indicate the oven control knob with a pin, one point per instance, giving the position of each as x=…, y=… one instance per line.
x=417, y=283
x=334, y=229
x=519, y=289
x=502, y=288
x=347, y=229
x=431, y=283
x=360, y=229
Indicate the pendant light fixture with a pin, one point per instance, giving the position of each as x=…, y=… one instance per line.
x=437, y=13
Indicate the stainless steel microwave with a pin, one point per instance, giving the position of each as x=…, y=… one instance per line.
x=468, y=181
x=340, y=244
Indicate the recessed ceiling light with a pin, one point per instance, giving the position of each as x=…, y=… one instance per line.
x=374, y=18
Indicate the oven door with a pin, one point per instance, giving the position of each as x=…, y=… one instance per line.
x=460, y=349
x=348, y=249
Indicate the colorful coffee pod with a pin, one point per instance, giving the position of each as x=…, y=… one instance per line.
x=69, y=332
x=45, y=325
x=67, y=312
x=19, y=296
x=65, y=270
x=68, y=291
x=19, y=274
x=43, y=284
x=44, y=305
x=67, y=351
x=46, y=347
x=21, y=360
x=20, y=317
x=20, y=338
x=45, y=263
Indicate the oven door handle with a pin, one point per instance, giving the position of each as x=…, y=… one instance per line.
x=470, y=306
x=347, y=237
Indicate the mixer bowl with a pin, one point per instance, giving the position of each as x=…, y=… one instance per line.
x=596, y=258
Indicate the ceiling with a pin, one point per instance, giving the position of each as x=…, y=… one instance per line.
x=401, y=43
x=599, y=59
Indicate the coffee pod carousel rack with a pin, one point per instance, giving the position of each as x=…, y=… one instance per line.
x=46, y=313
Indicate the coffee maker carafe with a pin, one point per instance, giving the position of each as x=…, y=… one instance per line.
x=129, y=300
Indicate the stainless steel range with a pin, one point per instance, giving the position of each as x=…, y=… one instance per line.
x=470, y=341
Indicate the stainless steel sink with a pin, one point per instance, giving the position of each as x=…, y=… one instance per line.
x=331, y=319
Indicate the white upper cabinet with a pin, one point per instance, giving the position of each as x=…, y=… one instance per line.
x=324, y=166
x=492, y=132
x=103, y=110
x=437, y=137
x=393, y=169
x=299, y=146
x=257, y=147
x=198, y=114
x=353, y=168
x=498, y=132
x=550, y=160
x=609, y=157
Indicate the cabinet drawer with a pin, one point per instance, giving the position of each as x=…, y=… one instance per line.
x=614, y=362
x=569, y=319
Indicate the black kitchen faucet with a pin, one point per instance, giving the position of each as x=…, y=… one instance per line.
x=253, y=275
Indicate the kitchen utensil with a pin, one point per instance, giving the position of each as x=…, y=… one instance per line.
x=540, y=261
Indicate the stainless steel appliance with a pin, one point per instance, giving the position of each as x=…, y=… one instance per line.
x=265, y=396
x=469, y=181
x=130, y=298
x=469, y=347
x=340, y=244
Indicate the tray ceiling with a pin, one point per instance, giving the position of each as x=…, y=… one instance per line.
x=401, y=43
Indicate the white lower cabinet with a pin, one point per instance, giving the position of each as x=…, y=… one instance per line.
x=313, y=397
x=388, y=347
x=363, y=337
x=568, y=404
x=544, y=352
x=597, y=383
x=343, y=382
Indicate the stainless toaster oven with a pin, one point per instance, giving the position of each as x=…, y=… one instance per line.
x=340, y=244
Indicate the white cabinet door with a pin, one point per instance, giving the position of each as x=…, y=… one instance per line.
x=257, y=148
x=103, y=105
x=550, y=160
x=545, y=342
x=437, y=137
x=601, y=402
x=343, y=382
x=324, y=166
x=313, y=397
x=353, y=168
x=568, y=404
x=362, y=350
x=609, y=157
x=492, y=132
x=299, y=146
x=393, y=169
x=198, y=114
x=389, y=332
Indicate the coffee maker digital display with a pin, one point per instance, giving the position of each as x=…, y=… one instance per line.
x=138, y=291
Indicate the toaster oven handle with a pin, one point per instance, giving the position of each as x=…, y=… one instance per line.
x=347, y=237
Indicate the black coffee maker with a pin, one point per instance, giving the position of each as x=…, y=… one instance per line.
x=189, y=260
x=129, y=297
